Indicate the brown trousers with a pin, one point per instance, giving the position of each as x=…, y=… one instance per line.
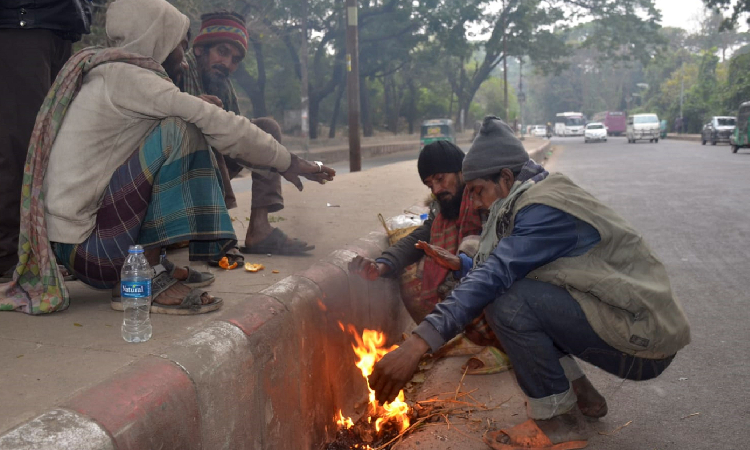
x=266, y=189
x=29, y=62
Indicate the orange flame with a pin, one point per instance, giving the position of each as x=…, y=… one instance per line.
x=370, y=349
x=345, y=422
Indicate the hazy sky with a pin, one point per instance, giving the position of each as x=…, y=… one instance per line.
x=679, y=13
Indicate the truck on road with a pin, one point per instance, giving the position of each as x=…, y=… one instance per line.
x=615, y=121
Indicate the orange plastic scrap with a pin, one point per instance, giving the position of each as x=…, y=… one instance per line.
x=224, y=264
x=250, y=267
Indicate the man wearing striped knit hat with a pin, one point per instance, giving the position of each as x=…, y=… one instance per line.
x=218, y=49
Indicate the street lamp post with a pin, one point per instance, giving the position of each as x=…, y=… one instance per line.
x=352, y=82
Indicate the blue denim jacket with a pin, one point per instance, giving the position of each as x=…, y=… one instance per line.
x=541, y=234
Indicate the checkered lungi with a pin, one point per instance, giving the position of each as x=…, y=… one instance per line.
x=168, y=191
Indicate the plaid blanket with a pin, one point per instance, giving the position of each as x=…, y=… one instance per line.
x=447, y=234
x=168, y=191
x=37, y=285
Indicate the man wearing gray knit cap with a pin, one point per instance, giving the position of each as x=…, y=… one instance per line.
x=558, y=275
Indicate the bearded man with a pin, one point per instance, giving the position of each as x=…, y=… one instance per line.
x=442, y=248
x=558, y=275
x=218, y=49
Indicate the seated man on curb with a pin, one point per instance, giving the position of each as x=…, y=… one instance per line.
x=449, y=231
x=558, y=274
x=218, y=49
x=120, y=156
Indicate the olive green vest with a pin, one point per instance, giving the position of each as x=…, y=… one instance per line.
x=620, y=284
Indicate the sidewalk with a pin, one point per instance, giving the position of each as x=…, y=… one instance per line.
x=201, y=380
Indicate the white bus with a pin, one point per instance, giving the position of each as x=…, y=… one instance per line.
x=570, y=124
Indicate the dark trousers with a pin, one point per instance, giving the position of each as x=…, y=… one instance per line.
x=538, y=323
x=29, y=62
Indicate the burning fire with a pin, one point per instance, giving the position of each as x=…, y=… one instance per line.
x=370, y=349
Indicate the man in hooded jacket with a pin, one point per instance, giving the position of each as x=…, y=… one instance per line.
x=120, y=156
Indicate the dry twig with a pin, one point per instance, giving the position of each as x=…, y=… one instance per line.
x=616, y=429
x=690, y=415
x=458, y=388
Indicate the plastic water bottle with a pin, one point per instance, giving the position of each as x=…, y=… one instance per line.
x=135, y=279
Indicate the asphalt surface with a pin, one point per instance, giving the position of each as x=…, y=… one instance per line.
x=690, y=202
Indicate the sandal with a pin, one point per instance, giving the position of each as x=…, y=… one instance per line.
x=278, y=243
x=194, y=279
x=528, y=436
x=492, y=360
x=232, y=258
x=191, y=304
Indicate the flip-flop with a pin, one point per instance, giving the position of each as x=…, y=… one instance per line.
x=278, y=243
x=493, y=361
x=191, y=303
x=528, y=436
x=458, y=346
x=194, y=279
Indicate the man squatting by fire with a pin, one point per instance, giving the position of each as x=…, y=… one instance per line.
x=558, y=274
x=441, y=248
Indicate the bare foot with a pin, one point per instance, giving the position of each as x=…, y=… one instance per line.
x=177, y=292
x=590, y=401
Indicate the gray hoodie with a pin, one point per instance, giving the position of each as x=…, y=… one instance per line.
x=118, y=106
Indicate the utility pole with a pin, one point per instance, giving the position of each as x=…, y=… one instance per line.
x=305, y=100
x=682, y=92
x=521, y=94
x=352, y=84
x=505, y=68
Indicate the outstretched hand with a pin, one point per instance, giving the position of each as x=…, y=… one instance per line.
x=391, y=373
x=312, y=171
x=367, y=268
x=440, y=255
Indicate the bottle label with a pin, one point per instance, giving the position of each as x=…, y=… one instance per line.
x=136, y=289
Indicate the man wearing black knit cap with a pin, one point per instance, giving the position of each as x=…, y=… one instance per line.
x=558, y=274
x=448, y=238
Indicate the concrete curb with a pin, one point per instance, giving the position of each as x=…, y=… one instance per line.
x=684, y=137
x=539, y=154
x=271, y=375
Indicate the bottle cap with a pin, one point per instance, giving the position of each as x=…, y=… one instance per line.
x=135, y=249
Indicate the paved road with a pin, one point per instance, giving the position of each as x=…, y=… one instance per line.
x=691, y=204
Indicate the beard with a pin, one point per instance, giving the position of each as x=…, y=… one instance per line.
x=215, y=83
x=450, y=205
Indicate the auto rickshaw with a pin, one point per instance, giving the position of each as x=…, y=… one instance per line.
x=663, y=129
x=740, y=138
x=437, y=130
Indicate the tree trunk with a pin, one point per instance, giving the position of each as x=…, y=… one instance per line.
x=411, y=114
x=364, y=108
x=336, y=110
x=314, y=110
x=255, y=88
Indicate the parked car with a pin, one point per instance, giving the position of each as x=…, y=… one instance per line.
x=539, y=131
x=741, y=135
x=594, y=132
x=719, y=129
x=643, y=126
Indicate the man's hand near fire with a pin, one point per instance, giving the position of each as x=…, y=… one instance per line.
x=391, y=373
x=440, y=255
